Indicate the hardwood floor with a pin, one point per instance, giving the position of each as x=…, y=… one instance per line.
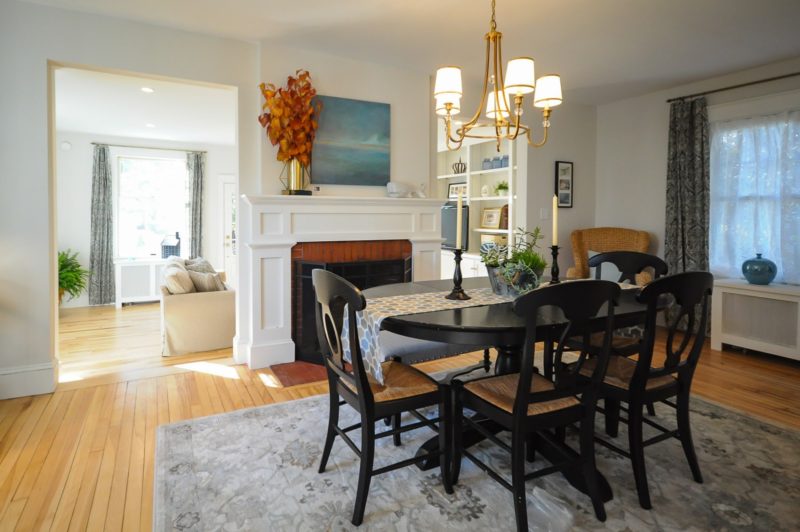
x=83, y=457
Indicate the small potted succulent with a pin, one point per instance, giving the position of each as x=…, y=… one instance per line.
x=72, y=278
x=517, y=269
x=501, y=188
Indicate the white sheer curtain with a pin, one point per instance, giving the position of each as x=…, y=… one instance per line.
x=755, y=194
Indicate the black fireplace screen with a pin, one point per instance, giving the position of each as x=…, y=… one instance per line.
x=363, y=274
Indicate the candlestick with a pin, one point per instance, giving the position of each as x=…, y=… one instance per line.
x=459, y=207
x=555, y=220
x=457, y=292
x=554, y=266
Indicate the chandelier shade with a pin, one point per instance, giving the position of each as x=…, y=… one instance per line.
x=501, y=100
x=520, y=76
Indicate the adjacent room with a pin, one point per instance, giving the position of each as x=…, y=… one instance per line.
x=358, y=265
x=146, y=178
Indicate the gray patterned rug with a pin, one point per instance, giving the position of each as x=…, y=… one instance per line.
x=256, y=469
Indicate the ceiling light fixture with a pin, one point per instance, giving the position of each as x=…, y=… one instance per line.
x=505, y=97
x=149, y=125
x=148, y=90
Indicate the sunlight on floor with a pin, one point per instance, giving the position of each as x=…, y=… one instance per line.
x=270, y=381
x=71, y=376
x=210, y=368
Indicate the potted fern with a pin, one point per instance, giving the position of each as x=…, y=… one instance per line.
x=518, y=269
x=72, y=278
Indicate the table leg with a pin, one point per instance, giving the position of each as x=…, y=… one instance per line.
x=508, y=360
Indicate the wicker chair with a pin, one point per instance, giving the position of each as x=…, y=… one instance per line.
x=601, y=240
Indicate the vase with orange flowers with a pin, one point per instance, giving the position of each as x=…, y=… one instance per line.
x=290, y=119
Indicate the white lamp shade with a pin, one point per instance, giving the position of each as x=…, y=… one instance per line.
x=441, y=101
x=548, y=91
x=491, y=104
x=520, y=78
x=448, y=81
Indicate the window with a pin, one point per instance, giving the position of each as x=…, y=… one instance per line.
x=152, y=202
x=755, y=194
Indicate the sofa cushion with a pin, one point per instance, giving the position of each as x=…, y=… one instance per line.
x=200, y=265
x=177, y=280
x=206, y=282
x=173, y=260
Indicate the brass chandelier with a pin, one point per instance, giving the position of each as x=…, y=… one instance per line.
x=519, y=80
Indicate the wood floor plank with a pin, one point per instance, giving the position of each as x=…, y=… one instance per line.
x=151, y=425
x=122, y=462
x=132, y=511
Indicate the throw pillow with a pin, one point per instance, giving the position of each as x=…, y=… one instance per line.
x=608, y=271
x=172, y=260
x=178, y=281
x=200, y=265
x=206, y=282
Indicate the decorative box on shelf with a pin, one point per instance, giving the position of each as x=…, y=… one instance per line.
x=763, y=318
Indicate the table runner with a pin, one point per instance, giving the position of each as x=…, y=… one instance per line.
x=369, y=319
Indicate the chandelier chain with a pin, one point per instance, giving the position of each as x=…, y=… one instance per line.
x=493, y=23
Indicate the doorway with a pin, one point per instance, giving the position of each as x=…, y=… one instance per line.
x=171, y=157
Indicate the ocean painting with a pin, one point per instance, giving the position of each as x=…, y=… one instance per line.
x=352, y=143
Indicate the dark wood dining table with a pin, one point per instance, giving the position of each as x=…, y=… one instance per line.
x=497, y=326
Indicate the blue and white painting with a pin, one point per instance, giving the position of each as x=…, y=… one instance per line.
x=352, y=143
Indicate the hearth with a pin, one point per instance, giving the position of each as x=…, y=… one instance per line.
x=365, y=264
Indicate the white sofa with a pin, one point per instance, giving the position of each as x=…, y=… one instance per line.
x=198, y=321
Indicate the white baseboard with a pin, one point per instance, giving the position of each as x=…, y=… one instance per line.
x=33, y=379
x=265, y=355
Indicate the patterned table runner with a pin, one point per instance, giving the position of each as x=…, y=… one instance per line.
x=369, y=319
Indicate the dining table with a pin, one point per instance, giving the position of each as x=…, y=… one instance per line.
x=496, y=325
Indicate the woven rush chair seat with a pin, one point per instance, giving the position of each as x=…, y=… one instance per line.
x=400, y=381
x=620, y=373
x=501, y=392
x=617, y=342
x=602, y=240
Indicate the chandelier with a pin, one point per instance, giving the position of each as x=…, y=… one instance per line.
x=501, y=100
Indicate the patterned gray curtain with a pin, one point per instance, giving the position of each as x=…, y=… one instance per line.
x=688, y=198
x=101, y=255
x=196, y=165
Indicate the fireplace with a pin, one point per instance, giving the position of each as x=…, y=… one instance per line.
x=365, y=264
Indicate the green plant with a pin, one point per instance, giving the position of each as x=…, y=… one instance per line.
x=72, y=278
x=522, y=251
x=502, y=186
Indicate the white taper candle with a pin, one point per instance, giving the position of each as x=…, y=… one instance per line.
x=458, y=221
x=555, y=220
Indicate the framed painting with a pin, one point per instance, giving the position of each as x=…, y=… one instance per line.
x=490, y=218
x=564, y=183
x=352, y=143
x=454, y=189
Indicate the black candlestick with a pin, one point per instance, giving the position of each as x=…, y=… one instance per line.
x=554, y=268
x=458, y=292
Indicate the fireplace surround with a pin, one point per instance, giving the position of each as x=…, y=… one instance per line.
x=271, y=226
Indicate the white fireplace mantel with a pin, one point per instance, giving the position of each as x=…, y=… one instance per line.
x=271, y=225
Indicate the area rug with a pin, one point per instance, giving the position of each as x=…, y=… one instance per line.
x=256, y=469
x=294, y=373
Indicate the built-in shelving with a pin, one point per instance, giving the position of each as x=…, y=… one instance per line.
x=451, y=176
x=490, y=198
x=501, y=170
x=491, y=231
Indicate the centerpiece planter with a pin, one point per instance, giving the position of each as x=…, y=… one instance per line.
x=516, y=270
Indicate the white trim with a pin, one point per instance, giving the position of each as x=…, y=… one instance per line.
x=32, y=379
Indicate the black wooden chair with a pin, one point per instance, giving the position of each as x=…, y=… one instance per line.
x=405, y=389
x=530, y=405
x=640, y=382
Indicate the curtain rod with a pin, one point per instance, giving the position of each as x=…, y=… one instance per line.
x=739, y=86
x=145, y=147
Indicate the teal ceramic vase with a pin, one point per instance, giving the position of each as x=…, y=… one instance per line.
x=759, y=270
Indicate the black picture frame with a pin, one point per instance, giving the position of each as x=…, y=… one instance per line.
x=452, y=190
x=564, y=186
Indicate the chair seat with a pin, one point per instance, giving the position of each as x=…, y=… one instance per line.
x=617, y=342
x=500, y=391
x=620, y=372
x=399, y=382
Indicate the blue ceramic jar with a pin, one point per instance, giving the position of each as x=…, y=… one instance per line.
x=759, y=270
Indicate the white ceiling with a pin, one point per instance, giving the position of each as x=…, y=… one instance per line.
x=113, y=104
x=604, y=49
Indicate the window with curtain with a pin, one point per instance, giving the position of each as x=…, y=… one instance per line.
x=755, y=194
x=153, y=201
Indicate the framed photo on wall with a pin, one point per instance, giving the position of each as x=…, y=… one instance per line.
x=490, y=218
x=453, y=190
x=564, y=183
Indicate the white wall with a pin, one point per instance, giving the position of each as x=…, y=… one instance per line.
x=572, y=138
x=407, y=92
x=30, y=35
x=74, y=191
x=632, y=139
